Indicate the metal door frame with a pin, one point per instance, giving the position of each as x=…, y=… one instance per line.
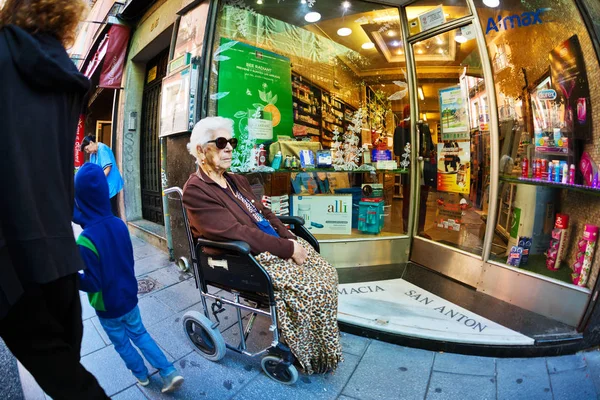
x=464, y=266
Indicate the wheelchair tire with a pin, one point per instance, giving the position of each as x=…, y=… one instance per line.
x=269, y=364
x=206, y=340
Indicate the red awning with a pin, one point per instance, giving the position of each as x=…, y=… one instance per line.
x=111, y=54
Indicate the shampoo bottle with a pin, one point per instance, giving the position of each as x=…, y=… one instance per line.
x=276, y=164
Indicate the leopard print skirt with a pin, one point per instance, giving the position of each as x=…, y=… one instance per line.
x=306, y=301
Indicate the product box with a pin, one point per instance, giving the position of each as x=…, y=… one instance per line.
x=280, y=205
x=380, y=155
x=324, y=214
x=389, y=164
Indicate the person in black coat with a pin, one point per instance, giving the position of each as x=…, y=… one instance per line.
x=41, y=98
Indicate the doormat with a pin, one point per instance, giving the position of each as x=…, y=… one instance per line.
x=397, y=306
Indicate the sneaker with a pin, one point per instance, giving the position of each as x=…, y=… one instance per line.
x=143, y=382
x=172, y=382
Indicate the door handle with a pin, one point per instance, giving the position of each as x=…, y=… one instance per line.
x=420, y=158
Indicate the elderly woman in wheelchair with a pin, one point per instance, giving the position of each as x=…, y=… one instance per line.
x=221, y=207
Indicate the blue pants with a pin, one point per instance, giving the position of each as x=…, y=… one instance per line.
x=129, y=328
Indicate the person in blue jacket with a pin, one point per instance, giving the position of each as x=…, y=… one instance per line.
x=103, y=156
x=109, y=280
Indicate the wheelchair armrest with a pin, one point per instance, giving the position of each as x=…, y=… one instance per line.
x=288, y=219
x=237, y=246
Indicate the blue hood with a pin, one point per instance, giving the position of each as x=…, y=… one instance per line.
x=92, y=203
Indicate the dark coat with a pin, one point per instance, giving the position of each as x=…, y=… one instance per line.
x=215, y=214
x=41, y=97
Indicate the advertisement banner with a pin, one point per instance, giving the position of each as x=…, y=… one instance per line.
x=569, y=79
x=454, y=167
x=454, y=117
x=114, y=60
x=255, y=90
x=78, y=154
x=449, y=212
x=324, y=214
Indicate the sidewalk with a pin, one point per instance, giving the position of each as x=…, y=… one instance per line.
x=372, y=369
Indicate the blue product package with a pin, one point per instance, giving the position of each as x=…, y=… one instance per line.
x=525, y=244
x=307, y=159
x=514, y=258
x=357, y=194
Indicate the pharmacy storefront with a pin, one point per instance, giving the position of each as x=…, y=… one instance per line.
x=443, y=152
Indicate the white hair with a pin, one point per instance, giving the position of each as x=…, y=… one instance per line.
x=204, y=130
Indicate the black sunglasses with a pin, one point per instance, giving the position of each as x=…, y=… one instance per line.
x=221, y=142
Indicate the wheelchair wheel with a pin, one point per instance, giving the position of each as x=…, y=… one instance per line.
x=207, y=340
x=270, y=365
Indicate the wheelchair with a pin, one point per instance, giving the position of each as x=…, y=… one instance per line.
x=230, y=266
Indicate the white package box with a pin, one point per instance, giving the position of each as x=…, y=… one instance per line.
x=324, y=214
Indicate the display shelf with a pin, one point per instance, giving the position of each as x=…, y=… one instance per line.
x=305, y=123
x=296, y=170
x=538, y=182
x=301, y=100
x=307, y=113
x=537, y=265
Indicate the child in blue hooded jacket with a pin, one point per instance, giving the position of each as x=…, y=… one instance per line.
x=109, y=279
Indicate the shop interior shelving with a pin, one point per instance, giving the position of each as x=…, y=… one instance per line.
x=319, y=110
x=538, y=182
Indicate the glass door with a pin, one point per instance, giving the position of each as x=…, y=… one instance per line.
x=452, y=129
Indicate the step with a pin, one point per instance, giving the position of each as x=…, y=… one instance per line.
x=150, y=232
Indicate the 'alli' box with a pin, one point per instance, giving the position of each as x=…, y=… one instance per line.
x=324, y=214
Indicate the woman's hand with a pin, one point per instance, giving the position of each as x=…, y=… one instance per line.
x=300, y=253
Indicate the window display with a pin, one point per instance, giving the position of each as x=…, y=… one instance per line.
x=548, y=137
x=306, y=87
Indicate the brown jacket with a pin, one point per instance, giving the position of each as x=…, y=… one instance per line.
x=215, y=214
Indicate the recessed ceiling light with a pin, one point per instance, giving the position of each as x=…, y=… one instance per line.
x=441, y=51
x=439, y=40
x=312, y=16
x=259, y=1
x=395, y=43
x=368, y=45
x=420, y=51
x=346, y=5
x=399, y=52
x=344, y=31
x=460, y=39
x=491, y=3
x=303, y=1
x=392, y=33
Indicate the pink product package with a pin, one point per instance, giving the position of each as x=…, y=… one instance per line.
x=588, y=168
x=585, y=256
x=558, y=241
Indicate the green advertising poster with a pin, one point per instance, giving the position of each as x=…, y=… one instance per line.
x=255, y=90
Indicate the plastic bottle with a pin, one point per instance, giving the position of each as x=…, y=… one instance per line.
x=276, y=164
x=572, y=174
x=557, y=173
x=565, y=173
x=294, y=162
x=525, y=168
x=262, y=155
x=288, y=162
x=550, y=171
x=596, y=181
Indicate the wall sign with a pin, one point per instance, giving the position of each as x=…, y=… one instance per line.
x=432, y=18
x=514, y=21
x=453, y=108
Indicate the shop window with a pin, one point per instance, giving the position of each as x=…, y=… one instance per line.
x=546, y=79
x=321, y=88
x=454, y=141
x=424, y=15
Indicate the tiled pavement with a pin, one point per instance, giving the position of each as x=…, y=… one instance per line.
x=371, y=370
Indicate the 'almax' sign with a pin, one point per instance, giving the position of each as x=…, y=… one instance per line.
x=515, y=21
x=447, y=311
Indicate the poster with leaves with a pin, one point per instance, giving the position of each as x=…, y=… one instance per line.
x=255, y=90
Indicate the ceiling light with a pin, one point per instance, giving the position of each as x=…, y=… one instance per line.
x=259, y=1
x=460, y=39
x=392, y=33
x=303, y=1
x=368, y=45
x=312, y=17
x=399, y=52
x=346, y=5
x=420, y=51
x=491, y=3
x=421, y=94
x=395, y=43
x=344, y=31
x=441, y=51
x=439, y=40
